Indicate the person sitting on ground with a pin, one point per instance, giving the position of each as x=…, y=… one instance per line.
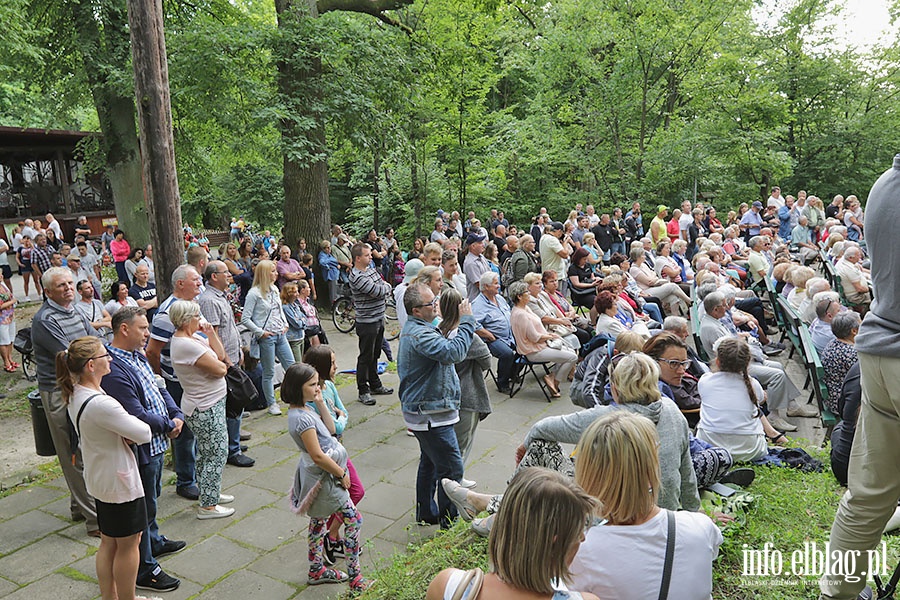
x=730, y=416
x=526, y=561
x=535, y=343
x=840, y=355
x=617, y=462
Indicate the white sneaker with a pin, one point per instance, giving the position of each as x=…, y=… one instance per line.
x=226, y=498
x=467, y=483
x=216, y=512
x=795, y=409
x=274, y=410
x=781, y=424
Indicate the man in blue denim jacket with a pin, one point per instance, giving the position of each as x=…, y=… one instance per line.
x=429, y=397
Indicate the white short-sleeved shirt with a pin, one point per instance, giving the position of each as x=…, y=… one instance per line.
x=201, y=391
x=550, y=259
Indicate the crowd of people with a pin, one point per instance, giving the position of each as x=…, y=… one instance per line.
x=603, y=304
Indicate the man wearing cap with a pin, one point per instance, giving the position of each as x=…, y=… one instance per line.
x=553, y=252
x=752, y=221
x=475, y=264
x=658, y=225
x=412, y=269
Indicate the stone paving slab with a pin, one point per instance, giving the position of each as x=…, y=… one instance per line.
x=56, y=587
x=26, y=528
x=41, y=558
x=30, y=498
x=248, y=584
x=209, y=560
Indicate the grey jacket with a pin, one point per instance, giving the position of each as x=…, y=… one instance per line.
x=679, y=483
x=474, y=395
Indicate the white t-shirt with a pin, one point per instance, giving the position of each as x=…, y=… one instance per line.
x=726, y=406
x=550, y=260
x=618, y=561
x=54, y=226
x=201, y=391
x=776, y=202
x=684, y=223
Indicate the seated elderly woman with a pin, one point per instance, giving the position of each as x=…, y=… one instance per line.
x=551, y=317
x=647, y=302
x=800, y=276
x=611, y=320
x=730, y=416
x=616, y=282
x=551, y=288
x=535, y=343
x=626, y=557
x=669, y=293
x=840, y=355
x=634, y=384
x=807, y=310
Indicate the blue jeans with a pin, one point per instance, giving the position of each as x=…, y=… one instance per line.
x=234, y=436
x=269, y=347
x=505, y=358
x=652, y=311
x=183, y=445
x=439, y=457
x=151, y=479
x=618, y=247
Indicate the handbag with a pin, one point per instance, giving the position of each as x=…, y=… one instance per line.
x=241, y=392
x=473, y=577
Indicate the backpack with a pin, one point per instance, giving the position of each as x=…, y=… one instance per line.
x=506, y=273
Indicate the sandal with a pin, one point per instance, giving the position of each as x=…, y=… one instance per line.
x=360, y=584
x=326, y=575
x=551, y=385
x=459, y=497
x=9, y=369
x=774, y=438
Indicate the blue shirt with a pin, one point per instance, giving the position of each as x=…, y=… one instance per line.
x=493, y=317
x=754, y=220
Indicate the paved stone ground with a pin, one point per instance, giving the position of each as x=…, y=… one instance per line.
x=261, y=550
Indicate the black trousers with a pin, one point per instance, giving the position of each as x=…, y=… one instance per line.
x=370, y=336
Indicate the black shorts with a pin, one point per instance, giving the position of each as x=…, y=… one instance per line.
x=7, y=271
x=122, y=520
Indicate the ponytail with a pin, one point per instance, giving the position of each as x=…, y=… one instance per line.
x=70, y=363
x=734, y=356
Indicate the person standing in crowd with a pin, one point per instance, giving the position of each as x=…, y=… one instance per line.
x=55, y=325
x=111, y=471
x=5, y=271
x=369, y=294
x=91, y=263
x=132, y=383
x=41, y=256
x=264, y=317
x=82, y=227
x=199, y=362
x=475, y=264
x=119, y=297
x=873, y=485
x=92, y=309
x=216, y=309
x=430, y=398
x=330, y=269
x=7, y=327
x=186, y=283
x=288, y=268
x=553, y=252
x=23, y=259
x=144, y=292
x=120, y=250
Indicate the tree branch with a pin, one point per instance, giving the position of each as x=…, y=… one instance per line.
x=374, y=8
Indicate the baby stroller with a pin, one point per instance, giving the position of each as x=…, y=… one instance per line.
x=22, y=344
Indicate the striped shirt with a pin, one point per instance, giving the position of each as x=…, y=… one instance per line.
x=162, y=331
x=52, y=329
x=159, y=443
x=369, y=293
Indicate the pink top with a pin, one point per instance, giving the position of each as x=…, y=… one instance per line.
x=527, y=330
x=286, y=266
x=120, y=250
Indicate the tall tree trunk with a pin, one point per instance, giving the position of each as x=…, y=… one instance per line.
x=307, y=206
x=101, y=47
x=376, y=172
x=151, y=87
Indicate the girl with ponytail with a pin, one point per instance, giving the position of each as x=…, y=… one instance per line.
x=730, y=416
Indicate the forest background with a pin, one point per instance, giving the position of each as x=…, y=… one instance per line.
x=298, y=113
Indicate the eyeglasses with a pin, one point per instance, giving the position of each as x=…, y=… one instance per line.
x=675, y=364
x=101, y=356
x=433, y=303
x=221, y=272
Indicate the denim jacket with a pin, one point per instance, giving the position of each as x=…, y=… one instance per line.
x=428, y=380
x=296, y=321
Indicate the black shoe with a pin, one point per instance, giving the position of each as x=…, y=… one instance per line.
x=866, y=594
x=336, y=547
x=245, y=436
x=741, y=477
x=367, y=399
x=329, y=555
x=503, y=389
x=383, y=391
x=191, y=492
x=161, y=582
x=77, y=517
x=244, y=447
x=170, y=547
x=241, y=460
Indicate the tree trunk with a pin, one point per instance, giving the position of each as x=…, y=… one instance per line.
x=376, y=168
x=99, y=48
x=307, y=207
x=151, y=86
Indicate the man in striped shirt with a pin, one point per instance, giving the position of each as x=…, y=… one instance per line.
x=369, y=292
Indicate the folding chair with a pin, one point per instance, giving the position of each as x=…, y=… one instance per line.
x=523, y=366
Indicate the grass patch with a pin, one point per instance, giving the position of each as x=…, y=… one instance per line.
x=41, y=474
x=344, y=379
x=791, y=509
x=76, y=575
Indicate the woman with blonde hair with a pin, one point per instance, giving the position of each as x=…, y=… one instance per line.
x=111, y=473
x=536, y=535
x=199, y=363
x=430, y=276
x=295, y=317
x=618, y=464
x=265, y=318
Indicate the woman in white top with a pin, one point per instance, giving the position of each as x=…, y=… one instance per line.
x=669, y=293
x=110, y=469
x=198, y=358
x=729, y=414
x=536, y=534
x=617, y=464
x=119, y=297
